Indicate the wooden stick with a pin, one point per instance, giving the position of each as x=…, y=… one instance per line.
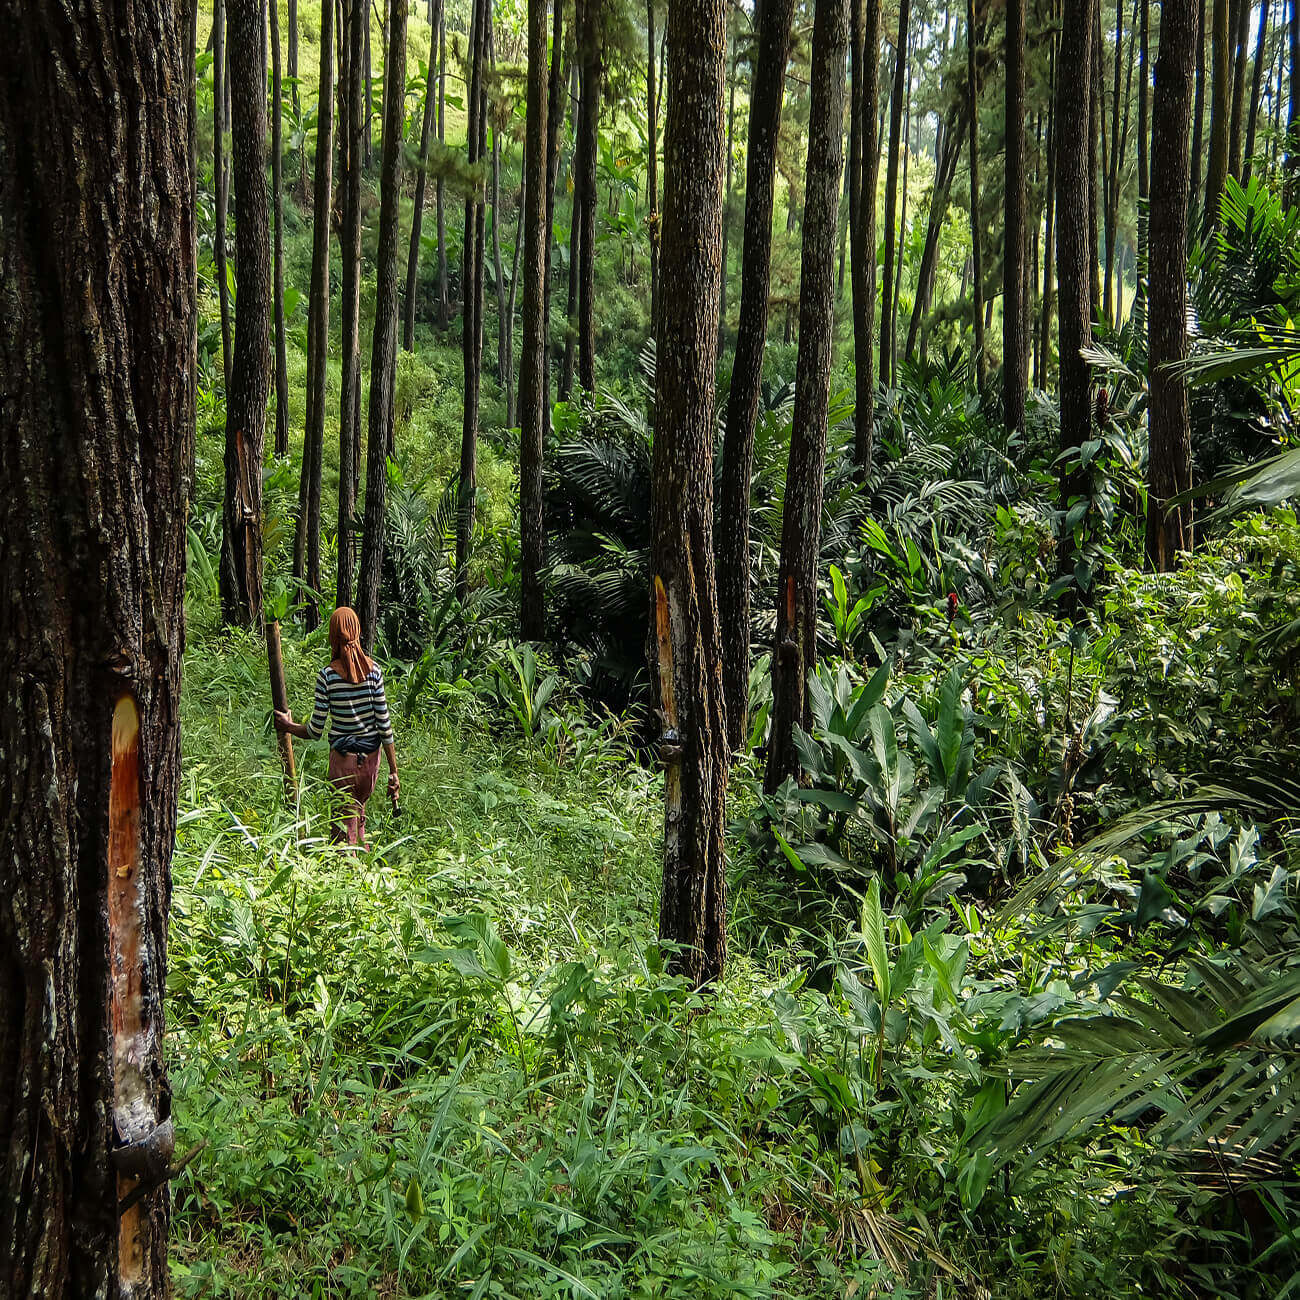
x=280, y=700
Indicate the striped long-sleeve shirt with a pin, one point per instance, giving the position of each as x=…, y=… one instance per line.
x=357, y=709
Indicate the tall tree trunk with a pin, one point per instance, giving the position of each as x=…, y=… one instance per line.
x=350, y=129
x=1291, y=170
x=1073, y=249
x=1198, y=115
x=383, y=350
x=220, y=180
x=1257, y=79
x=96, y=457
x=795, y=652
x=503, y=324
x=421, y=182
x=1144, y=92
x=949, y=140
x=554, y=125
x=472, y=297
x=277, y=192
x=532, y=361
x=1113, y=170
x=575, y=227
x=773, y=19
x=1095, y=169
x=693, y=910
x=512, y=303
x=250, y=373
x=726, y=203
x=1169, y=470
x=891, y=195
x=1049, y=219
x=1220, y=75
x=306, y=549
x=368, y=113
x=897, y=289
x=976, y=231
x=652, y=161
x=444, y=297
x=1240, y=38
x=863, y=171
x=591, y=35
x=294, y=97
x=1014, y=315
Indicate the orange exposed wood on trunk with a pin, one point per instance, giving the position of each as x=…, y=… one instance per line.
x=132, y=1034
x=663, y=629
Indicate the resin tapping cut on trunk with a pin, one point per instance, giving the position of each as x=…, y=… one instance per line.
x=135, y=1118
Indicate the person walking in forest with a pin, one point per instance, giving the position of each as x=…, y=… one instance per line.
x=350, y=698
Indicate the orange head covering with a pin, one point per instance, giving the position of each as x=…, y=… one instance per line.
x=345, y=644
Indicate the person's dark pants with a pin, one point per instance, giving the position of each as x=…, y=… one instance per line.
x=353, y=776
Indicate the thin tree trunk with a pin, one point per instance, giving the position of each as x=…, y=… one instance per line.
x=1094, y=168
x=472, y=298
x=250, y=373
x=688, y=669
x=726, y=205
x=444, y=297
x=97, y=366
x=1220, y=75
x=1049, y=219
x=554, y=125
x=949, y=139
x=277, y=191
x=902, y=230
x=1113, y=169
x=976, y=232
x=1248, y=160
x=773, y=20
x=368, y=112
x=1169, y=469
x=532, y=361
x=863, y=171
x=575, y=230
x=350, y=128
x=593, y=74
x=1073, y=249
x=383, y=352
x=652, y=168
x=421, y=181
x=1198, y=116
x=512, y=303
x=1240, y=45
x=1014, y=316
x=294, y=97
x=891, y=196
x=503, y=326
x=306, y=549
x=220, y=180
x=1144, y=91
x=795, y=653
x=1291, y=169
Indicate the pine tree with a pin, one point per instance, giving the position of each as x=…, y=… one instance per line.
x=795, y=652
x=688, y=659
x=97, y=366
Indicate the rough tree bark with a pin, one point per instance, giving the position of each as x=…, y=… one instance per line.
x=383, y=350
x=352, y=88
x=1073, y=247
x=97, y=367
x=864, y=165
x=250, y=371
x=1049, y=224
x=1220, y=75
x=1240, y=45
x=592, y=53
x=575, y=227
x=1169, y=469
x=766, y=93
x=220, y=179
x=652, y=160
x=1198, y=113
x=688, y=676
x=795, y=652
x=727, y=192
x=444, y=300
x=554, y=125
x=1256, y=85
x=976, y=233
x=306, y=545
x=532, y=361
x=891, y=195
x=421, y=182
x=1014, y=314
x=472, y=297
x=277, y=209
